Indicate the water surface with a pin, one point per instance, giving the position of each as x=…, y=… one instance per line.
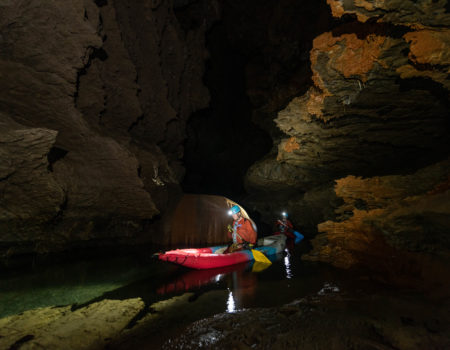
x=174, y=296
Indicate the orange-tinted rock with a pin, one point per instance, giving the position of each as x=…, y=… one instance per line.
x=366, y=92
x=337, y=8
x=396, y=223
x=291, y=145
x=344, y=239
x=429, y=56
x=314, y=104
x=369, y=6
x=429, y=46
x=349, y=55
x=405, y=12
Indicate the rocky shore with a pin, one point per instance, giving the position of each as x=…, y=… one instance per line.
x=327, y=320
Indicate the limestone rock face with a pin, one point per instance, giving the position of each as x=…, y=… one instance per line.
x=278, y=36
x=30, y=189
x=391, y=216
x=363, y=115
x=408, y=12
x=378, y=108
x=95, y=105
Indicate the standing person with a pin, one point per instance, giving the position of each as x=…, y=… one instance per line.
x=284, y=226
x=242, y=232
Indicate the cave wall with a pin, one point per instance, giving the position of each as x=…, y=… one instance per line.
x=96, y=96
x=373, y=126
x=94, y=100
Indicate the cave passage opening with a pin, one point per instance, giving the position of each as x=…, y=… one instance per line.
x=258, y=61
x=222, y=141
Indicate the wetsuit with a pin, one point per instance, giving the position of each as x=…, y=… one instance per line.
x=243, y=230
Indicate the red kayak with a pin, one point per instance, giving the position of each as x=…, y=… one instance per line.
x=205, y=258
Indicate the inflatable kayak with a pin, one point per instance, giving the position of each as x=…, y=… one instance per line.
x=207, y=258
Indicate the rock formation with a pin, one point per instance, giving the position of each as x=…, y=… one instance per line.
x=91, y=327
x=396, y=225
x=372, y=322
x=94, y=100
x=378, y=106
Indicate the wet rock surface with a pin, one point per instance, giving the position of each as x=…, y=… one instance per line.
x=331, y=319
x=325, y=322
x=91, y=327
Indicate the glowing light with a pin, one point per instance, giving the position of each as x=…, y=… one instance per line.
x=283, y=213
x=231, y=306
x=218, y=277
x=230, y=213
x=287, y=264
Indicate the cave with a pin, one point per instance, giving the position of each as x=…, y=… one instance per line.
x=133, y=130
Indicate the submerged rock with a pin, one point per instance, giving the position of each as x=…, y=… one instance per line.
x=90, y=327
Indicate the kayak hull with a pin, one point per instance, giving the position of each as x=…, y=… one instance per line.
x=206, y=258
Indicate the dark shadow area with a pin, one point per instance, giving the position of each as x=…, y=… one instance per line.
x=259, y=61
x=222, y=140
x=54, y=155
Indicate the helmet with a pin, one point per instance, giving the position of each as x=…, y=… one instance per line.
x=234, y=210
x=285, y=215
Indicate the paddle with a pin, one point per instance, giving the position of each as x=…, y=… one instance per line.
x=260, y=257
x=259, y=266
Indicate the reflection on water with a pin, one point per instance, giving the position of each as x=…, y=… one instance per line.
x=287, y=264
x=66, y=284
x=231, y=306
x=196, y=294
x=174, y=296
x=126, y=277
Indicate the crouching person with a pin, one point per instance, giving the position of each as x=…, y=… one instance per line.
x=242, y=233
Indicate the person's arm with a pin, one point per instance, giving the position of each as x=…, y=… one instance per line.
x=288, y=225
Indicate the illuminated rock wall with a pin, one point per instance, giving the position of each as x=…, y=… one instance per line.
x=94, y=100
x=378, y=106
